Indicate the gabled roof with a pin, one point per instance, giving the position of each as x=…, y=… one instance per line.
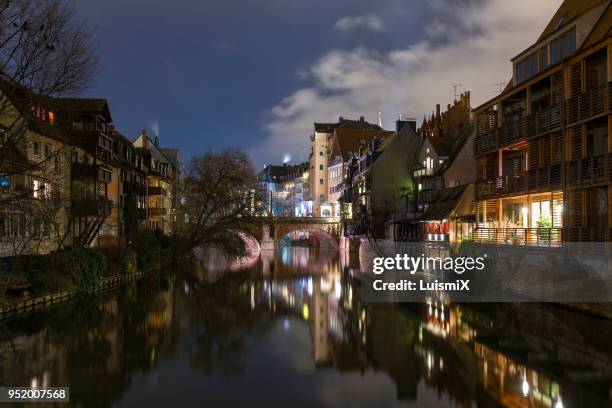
x=461, y=137
x=347, y=140
x=84, y=105
x=443, y=145
x=567, y=12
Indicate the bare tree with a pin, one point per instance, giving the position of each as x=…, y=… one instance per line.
x=44, y=52
x=219, y=195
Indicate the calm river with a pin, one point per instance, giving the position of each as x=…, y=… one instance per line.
x=292, y=331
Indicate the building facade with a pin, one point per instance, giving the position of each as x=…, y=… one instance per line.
x=542, y=147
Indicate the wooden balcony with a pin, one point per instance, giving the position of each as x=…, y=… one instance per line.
x=486, y=142
x=160, y=191
x=594, y=102
x=590, y=171
x=100, y=207
x=547, y=237
x=501, y=187
x=532, y=181
x=543, y=237
x=158, y=212
x=544, y=179
x=83, y=171
x=588, y=234
x=537, y=123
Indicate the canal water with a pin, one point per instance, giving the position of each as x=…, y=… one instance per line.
x=290, y=330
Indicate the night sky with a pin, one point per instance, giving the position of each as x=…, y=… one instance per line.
x=256, y=74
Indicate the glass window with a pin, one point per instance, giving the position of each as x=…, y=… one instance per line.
x=572, y=41
x=554, y=51
x=320, y=167
x=544, y=57
x=321, y=181
x=519, y=72
x=564, y=46
x=36, y=148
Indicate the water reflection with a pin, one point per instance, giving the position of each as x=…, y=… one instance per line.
x=292, y=330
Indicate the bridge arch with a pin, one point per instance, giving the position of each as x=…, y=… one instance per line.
x=323, y=238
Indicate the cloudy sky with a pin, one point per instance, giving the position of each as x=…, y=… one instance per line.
x=257, y=73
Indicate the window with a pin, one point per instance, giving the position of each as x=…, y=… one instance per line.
x=56, y=165
x=320, y=167
x=554, y=51
x=52, y=118
x=47, y=150
x=321, y=153
x=321, y=181
x=36, y=148
x=544, y=62
x=572, y=41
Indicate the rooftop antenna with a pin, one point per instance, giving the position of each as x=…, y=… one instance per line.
x=455, y=85
x=380, y=116
x=500, y=86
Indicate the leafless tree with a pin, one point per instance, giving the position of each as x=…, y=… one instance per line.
x=219, y=197
x=45, y=51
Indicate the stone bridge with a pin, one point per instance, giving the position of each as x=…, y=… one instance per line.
x=270, y=230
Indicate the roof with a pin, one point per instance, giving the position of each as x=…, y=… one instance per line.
x=567, y=12
x=361, y=123
x=602, y=29
x=350, y=139
x=443, y=145
x=444, y=203
x=461, y=137
x=85, y=105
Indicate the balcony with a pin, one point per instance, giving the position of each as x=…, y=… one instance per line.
x=501, y=187
x=537, y=123
x=532, y=181
x=83, y=171
x=100, y=207
x=158, y=212
x=544, y=179
x=594, y=102
x=588, y=234
x=159, y=191
x=486, y=142
x=548, y=237
x=590, y=171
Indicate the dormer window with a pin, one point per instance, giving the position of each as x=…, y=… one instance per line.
x=559, y=22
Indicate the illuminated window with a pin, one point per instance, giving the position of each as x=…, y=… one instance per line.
x=51, y=118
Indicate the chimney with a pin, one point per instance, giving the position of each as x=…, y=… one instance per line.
x=400, y=124
x=156, y=141
x=145, y=139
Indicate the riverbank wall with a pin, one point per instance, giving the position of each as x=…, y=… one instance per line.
x=29, y=304
x=536, y=273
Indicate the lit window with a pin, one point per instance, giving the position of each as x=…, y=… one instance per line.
x=36, y=148
x=51, y=118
